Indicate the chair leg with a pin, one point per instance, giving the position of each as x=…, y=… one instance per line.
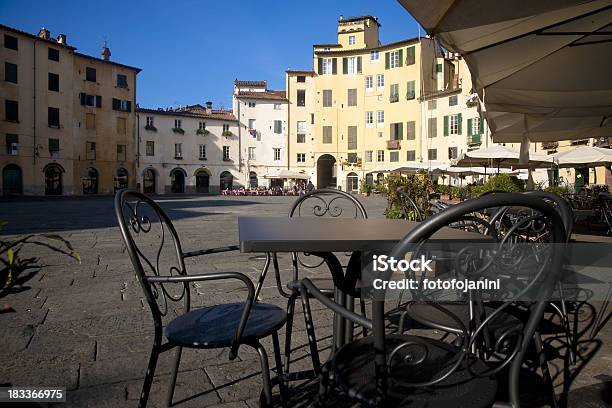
x=362, y=306
x=279, y=368
x=569, y=337
x=175, y=367
x=265, y=372
x=543, y=361
x=312, y=339
x=289, y=330
x=324, y=380
x=148, y=380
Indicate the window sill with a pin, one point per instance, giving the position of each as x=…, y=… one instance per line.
x=203, y=158
x=55, y=126
x=12, y=121
x=227, y=160
x=178, y=157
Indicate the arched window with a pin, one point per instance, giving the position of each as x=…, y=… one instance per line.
x=53, y=179
x=226, y=181
x=148, y=181
x=12, y=180
x=253, y=179
x=202, y=181
x=352, y=183
x=90, y=181
x=121, y=179
x=177, y=178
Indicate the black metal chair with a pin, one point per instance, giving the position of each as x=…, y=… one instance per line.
x=159, y=262
x=410, y=210
x=407, y=370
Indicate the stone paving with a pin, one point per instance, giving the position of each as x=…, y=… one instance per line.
x=87, y=327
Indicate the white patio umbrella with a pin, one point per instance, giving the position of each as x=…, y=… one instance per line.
x=498, y=156
x=584, y=156
x=540, y=67
x=287, y=174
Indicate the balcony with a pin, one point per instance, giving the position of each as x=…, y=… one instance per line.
x=393, y=144
x=473, y=140
x=550, y=145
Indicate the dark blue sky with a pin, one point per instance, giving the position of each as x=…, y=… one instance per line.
x=191, y=51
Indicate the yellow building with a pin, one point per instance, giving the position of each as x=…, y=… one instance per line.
x=68, y=118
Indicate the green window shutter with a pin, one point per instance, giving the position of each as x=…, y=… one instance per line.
x=359, y=65
x=446, y=125
x=400, y=131
x=98, y=101
x=345, y=65
x=386, y=60
x=469, y=129
x=54, y=145
x=481, y=127
x=410, y=55
x=459, y=124
x=82, y=97
x=320, y=68
x=438, y=67
x=401, y=57
x=334, y=66
x=410, y=93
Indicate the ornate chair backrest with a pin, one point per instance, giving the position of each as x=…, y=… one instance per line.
x=410, y=210
x=561, y=205
x=154, y=249
x=532, y=277
x=327, y=202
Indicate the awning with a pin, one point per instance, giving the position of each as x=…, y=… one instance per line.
x=287, y=174
x=498, y=156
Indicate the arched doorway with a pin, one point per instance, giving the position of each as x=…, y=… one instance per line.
x=226, y=181
x=202, y=181
x=148, y=181
x=326, y=171
x=370, y=179
x=177, y=180
x=253, y=179
x=380, y=178
x=352, y=183
x=90, y=181
x=53, y=179
x=12, y=181
x=121, y=179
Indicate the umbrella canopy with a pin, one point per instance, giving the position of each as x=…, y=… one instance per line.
x=287, y=174
x=432, y=166
x=584, y=156
x=500, y=156
x=541, y=67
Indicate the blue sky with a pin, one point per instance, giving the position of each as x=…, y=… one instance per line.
x=191, y=51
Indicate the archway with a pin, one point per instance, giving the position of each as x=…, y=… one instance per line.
x=12, y=180
x=226, y=181
x=352, y=183
x=325, y=171
x=53, y=179
x=121, y=179
x=90, y=181
x=202, y=181
x=177, y=180
x=253, y=179
x=148, y=181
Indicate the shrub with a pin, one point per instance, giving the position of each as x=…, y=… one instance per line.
x=416, y=186
x=202, y=132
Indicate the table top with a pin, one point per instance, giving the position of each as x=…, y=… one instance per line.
x=320, y=234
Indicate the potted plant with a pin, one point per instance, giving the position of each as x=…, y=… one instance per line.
x=366, y=188
x=178, y=130
x=227, y=133
x=202, y=132
x=151, y=128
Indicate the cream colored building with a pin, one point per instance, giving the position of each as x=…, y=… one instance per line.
x=194, y=149
x=68, y=118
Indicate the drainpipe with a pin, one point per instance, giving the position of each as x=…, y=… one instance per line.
x=239, y=139
x=137, y=143
x=34, y=111
x=288, y=123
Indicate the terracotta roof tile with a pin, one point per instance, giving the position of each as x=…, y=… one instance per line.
x=250, y=83
x=193, y=112
x=268, y=94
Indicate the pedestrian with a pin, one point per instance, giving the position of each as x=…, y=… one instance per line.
x=310, y=186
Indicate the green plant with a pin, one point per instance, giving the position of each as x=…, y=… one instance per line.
x=416, y=186
x=178, y=130
x=560, y=190
x=202, y=132
x=366, y=188
x=151, y=127
x=226, y=133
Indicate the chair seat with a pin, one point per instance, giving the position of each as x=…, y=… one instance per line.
x=355, y=372
x=215, y=326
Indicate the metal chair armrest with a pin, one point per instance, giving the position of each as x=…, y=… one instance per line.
x=210, y=251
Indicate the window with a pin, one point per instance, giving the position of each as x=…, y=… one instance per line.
x=11, y=109
x=301, y=97
x=327, y=98
x=251, y=153
x=452, y=125
x=410, y=55
x=10, y=72
x=150, y=148
x=10, y=42
x=202, y=125
x=150, y=121
x=121, y=126
x=90, y=74
x=278, y=126
x=226, y=127
x=394, y=156
x=53, y=54
x=432, y=127
x=90, y=121
x=352, y=137
x=202, y=151
x=368, y=156
x=251, y=104
x=410, y=92
x=351, y=157
x=121, y=105
x=53, y=82
x=12, y=144
x=53, y=117
x=121, y=152
x=178, y=150
x=410, y=155
x=352, y=97
x=380, y=81
x=369, y=119
x=178, y=124
x=452, y=153
x=54, y=147
x=438, y=67
x=433, y=104
x=327, y=66
x=380, y=155
x=394, y=59
x=277, y=106
x=394, y=93
x=374, y=56
x=351, y=40
x=432, y=154
x=327, y=134
x=397, y=131
x=351, y=65
x=301, y=78
x=277, y=153
x=369, y=82
x=380, y=118
x=410, y=130
x=475, y=128
x=90, y=100
x=452, y=100
x=90, y=150
x=312, y=118
x=122, y=81
x=252, y=124
x=301, y=157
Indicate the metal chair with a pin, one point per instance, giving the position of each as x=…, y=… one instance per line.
x=410, y=210
x=159, y=262
x=407, y=370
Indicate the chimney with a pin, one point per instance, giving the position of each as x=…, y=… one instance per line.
x=341, y=17
x=105, y=52
x=61, y=39
x=209, y=107
x=44, y=33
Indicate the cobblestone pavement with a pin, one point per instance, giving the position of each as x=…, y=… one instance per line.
x=86, y=326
